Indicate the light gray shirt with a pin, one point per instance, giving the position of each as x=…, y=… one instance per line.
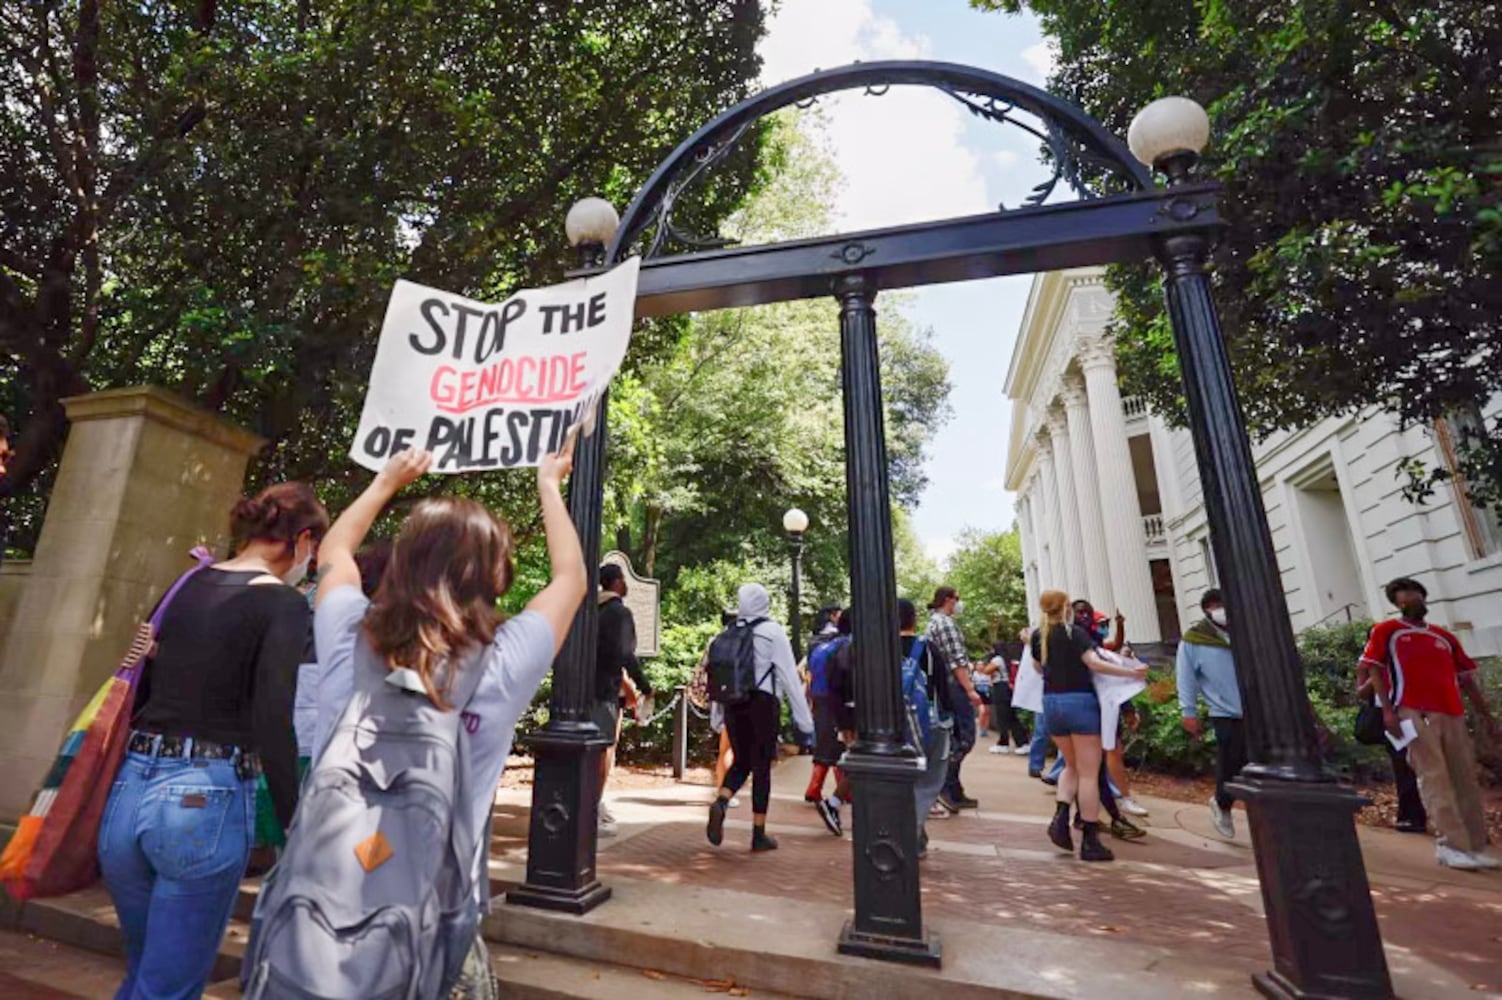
x=514, y=666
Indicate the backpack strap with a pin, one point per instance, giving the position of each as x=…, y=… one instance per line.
x=204, y=558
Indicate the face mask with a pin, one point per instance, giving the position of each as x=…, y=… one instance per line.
x=959, y=607
x=299, y=570
x=1218, y=616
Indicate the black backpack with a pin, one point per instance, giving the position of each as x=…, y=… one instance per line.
x=732, y=663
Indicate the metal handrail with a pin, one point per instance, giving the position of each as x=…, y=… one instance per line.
x=1345, y=609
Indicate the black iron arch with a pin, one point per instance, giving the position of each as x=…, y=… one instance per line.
x=1085, y=156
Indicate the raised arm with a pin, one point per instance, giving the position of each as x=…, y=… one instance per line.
x=558, y=602
x=336, y=554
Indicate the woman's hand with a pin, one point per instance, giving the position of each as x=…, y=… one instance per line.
x=553, y=469
x=403, y=469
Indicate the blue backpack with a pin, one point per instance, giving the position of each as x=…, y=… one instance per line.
x=818, y=664
x=920, y=711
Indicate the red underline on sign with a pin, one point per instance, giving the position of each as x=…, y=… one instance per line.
x=543, y=400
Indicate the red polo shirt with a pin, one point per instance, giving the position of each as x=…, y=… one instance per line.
x=1424, y=663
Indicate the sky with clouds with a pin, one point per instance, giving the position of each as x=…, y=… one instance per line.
x=914, y=155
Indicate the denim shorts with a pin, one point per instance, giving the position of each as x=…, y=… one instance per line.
x=1072, y=713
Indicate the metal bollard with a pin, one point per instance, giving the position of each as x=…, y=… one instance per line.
x=680, y=736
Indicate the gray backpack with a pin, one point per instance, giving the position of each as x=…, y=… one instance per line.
x=376, y=893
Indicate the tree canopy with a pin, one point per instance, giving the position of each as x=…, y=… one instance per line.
x=1360, y=148
x=217, y=197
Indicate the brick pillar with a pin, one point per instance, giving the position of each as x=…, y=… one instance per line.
x=144, y=477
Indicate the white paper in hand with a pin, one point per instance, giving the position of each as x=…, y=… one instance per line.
x=1410, y=733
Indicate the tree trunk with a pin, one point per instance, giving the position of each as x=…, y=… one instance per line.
x=653, y=519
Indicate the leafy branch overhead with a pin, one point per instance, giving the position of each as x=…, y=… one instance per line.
x=1360, y=146
x=217, y=198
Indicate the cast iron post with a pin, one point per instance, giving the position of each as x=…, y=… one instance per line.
x=1320, y=918
x=566, y=783
x=795, y=609
x=888, y=920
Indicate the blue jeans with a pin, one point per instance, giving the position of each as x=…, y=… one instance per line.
x=1072, y=713
x=931, y=781
x=173, y=844
x=1037, y=752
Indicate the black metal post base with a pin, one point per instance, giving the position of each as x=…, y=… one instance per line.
x=1320, y=918
x=564, y=822
x=888, y=921
x=915, y=951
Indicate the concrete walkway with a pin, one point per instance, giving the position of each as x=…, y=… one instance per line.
x=1183, y=899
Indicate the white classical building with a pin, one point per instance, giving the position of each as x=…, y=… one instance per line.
x=1109, y=504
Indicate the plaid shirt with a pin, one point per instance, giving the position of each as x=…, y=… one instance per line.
x=945, y=634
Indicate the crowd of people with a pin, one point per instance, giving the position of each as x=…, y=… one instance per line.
x=255, y=721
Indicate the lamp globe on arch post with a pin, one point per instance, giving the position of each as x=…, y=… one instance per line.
x=795, y=523
x=591, y=224
x=1321, y=921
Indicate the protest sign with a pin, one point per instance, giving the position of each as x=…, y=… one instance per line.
x=493, y=386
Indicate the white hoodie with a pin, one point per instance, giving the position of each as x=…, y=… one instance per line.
x=772, y=649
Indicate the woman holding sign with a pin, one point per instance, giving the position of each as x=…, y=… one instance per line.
x=424, y=677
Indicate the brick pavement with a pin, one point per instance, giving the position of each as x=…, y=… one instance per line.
x=1180, y=887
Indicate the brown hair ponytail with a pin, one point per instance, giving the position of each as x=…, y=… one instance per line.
x=1054, y=604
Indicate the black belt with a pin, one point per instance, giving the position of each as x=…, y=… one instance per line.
x=157, y=745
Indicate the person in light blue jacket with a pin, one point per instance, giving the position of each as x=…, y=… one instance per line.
x=1207, y=668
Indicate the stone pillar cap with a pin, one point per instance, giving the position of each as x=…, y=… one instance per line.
x=155, y=403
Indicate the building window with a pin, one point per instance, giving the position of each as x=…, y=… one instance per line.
x=1208, y=557
x=1481, y=526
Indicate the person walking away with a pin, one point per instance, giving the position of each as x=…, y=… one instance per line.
x=1205, y=666
x=945, y=638
x=426, y=673
x=1420, y=671
x=723, y=754
x=615, y=656
x=1066, y=656
x=1412, y=817
x=827, y=748
x=936, y=748
x=214, y=709
x=1008, y=724
x=753, y=722
x=840, y=704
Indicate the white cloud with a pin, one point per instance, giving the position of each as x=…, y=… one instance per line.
x=903, y=154
x=1006, y=158
x=1041, y=58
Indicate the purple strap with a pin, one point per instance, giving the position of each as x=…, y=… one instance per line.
x=204, y=557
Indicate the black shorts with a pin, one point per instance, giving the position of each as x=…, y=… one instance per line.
x=606, y=715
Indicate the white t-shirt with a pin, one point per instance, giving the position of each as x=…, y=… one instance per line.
x=514, y=666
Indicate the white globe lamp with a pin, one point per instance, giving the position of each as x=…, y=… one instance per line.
x=795, y=522
x=1167, y=129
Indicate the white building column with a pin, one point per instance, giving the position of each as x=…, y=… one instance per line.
x=1069, y=508
x=1098, y=587
x=1126, y=544
x=1051, y=570
x=1029, y=547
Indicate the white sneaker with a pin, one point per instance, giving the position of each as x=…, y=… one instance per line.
x=1486, y=860
x=1452, y=858
x=1022, y=751
x=1130, y=805
x=999, y=748
x=606, y=816
x=735, y=801
x=1224, y=824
